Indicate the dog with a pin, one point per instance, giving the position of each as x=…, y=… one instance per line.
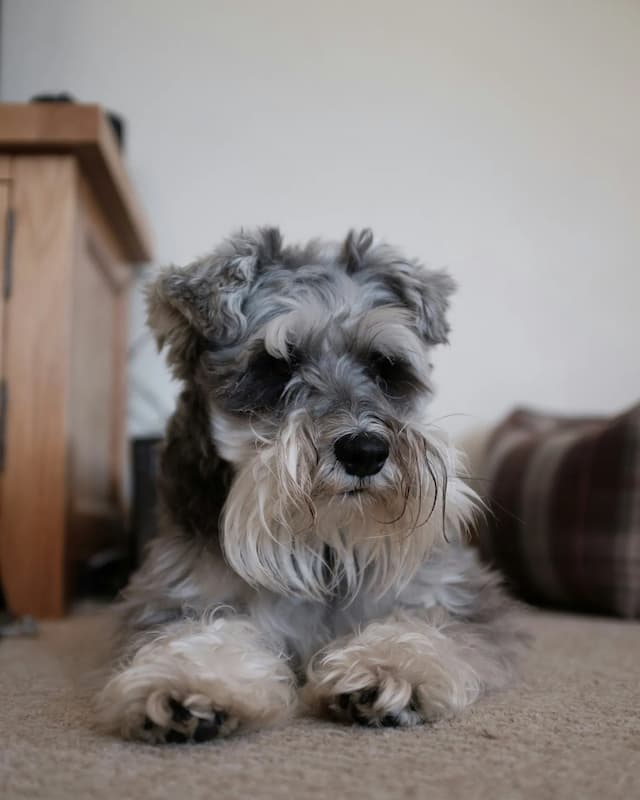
x=310, y=552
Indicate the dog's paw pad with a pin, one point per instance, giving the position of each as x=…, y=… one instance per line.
x=185, y=725
x=365, y=707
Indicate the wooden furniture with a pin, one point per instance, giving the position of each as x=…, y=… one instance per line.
x=71, y=232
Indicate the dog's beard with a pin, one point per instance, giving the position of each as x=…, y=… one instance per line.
x=295, y=524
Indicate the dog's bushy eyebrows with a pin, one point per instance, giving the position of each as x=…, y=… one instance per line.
x=204, y=305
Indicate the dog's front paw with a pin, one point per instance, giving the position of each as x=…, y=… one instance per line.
x=197, y=682
x=194, y=719
x=371, y=696
x=157, y=707
x=377, y=707
x=393, y=674
x=352, y=687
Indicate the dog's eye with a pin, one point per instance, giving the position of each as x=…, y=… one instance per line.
x=265, y=380
x=394, y=376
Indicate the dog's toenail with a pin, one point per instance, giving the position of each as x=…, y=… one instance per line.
x=148, y=725
x=389, y=721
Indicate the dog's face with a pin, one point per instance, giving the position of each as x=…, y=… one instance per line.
x=314, y=364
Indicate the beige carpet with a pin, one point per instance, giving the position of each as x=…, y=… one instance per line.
x=571, y=730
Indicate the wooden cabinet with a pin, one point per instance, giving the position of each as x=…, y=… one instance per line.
x=71, y=234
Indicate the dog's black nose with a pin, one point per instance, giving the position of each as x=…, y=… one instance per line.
x=361, y=454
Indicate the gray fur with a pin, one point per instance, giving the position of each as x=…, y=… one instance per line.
x=221, y=298
x=283, y=351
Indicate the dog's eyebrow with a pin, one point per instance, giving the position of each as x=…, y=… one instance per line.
x=388, y=329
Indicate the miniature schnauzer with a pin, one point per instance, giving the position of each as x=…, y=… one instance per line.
x=310, y=550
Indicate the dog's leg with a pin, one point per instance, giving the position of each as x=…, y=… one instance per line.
x=198, y=680
x=409, y=668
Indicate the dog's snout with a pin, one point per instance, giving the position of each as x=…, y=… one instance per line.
x=361, y=454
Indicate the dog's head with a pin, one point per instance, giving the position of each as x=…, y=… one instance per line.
x=314, y=366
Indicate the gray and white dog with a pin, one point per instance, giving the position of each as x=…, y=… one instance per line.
x=309, y=552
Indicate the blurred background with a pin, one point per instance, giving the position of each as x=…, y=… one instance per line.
x=498, y=139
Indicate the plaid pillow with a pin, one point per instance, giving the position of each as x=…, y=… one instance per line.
x=564, y=501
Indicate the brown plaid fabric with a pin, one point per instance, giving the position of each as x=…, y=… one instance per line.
x=564, y=500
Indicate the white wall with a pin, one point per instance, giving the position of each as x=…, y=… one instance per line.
x=501, y=139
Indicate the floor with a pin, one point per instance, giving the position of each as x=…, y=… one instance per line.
x=570, y=730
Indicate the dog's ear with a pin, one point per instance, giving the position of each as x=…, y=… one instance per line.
x=202, y=304
x=424, y=292
x=355, y=249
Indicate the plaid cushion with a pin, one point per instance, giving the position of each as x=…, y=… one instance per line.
x=564, y=501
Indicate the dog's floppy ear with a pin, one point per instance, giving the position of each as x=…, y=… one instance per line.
x=426, y=292
x=188, y=307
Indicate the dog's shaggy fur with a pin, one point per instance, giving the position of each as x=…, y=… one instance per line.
x=309, y=552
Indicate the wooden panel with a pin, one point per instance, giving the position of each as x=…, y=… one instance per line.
x=5, y=168
x=110, y=259
x=84, y=131
x=93, y=376
x=37, y=351
x=96, y=512
x=4, y=207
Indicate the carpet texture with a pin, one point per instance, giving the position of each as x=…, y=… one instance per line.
x=570, y=730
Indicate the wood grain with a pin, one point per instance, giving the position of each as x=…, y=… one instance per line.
x=64, y=337
x=97, y=508
x=5, y=191
x=84, y=131
x=112, y=260
x=38, y=368
x=4, y=207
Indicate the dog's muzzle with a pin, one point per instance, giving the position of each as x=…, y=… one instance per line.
x=361, y=454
